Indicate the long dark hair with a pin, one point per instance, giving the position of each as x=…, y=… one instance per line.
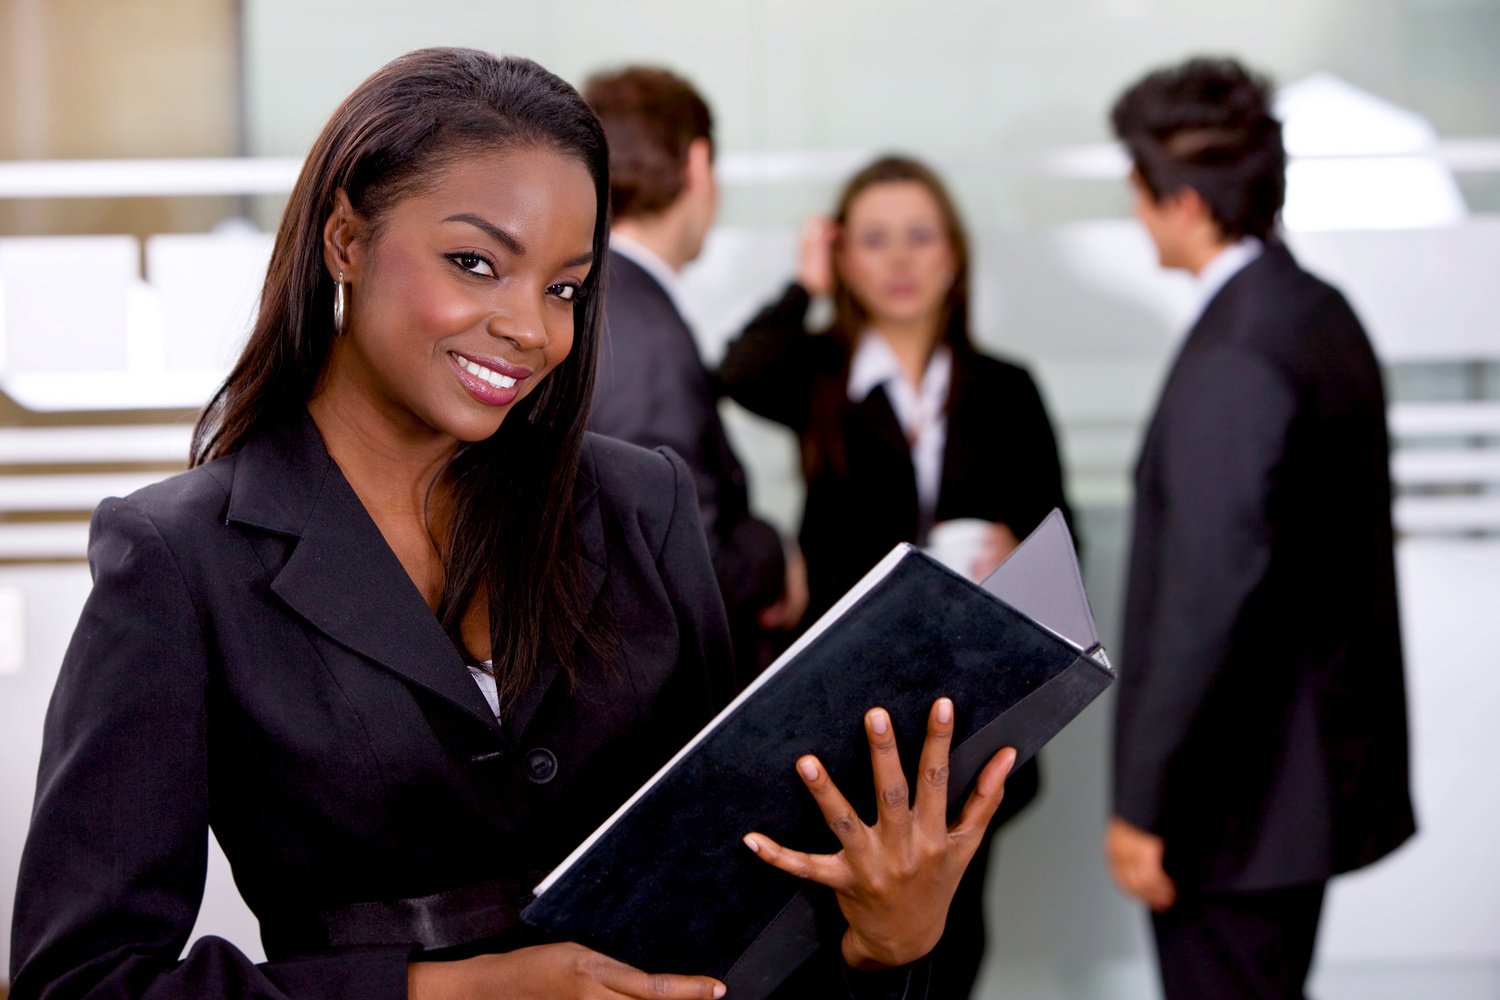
x=511, y=535
x=823, y=445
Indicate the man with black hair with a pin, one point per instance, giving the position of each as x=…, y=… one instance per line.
x=652, y=388
x=1260, y=738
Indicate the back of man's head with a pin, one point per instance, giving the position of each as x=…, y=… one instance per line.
x=650, y=118
x=1207, y=124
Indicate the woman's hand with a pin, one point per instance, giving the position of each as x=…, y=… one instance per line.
x=815, y=255
x=894, y=880
x=550, y=972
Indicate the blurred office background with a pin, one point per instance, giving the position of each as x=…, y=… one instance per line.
x=146, y=148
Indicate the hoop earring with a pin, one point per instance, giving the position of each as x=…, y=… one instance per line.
x=338, y=305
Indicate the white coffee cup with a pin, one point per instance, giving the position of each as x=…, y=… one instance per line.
x=957, y=543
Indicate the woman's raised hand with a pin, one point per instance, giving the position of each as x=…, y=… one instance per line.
x=550, y=972
x=815, y=255
x=894, y=880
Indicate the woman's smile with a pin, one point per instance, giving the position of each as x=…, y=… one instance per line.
x=491, y=381
x=463, y=299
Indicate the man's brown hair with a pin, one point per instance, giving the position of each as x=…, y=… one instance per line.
x=650, y=117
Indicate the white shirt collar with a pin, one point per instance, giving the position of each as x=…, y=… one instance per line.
x=874, y=364
x=648, y=260
x=1226, y=264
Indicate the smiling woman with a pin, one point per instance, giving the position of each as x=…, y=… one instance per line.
x=415, y=209
x=452, y=294
x=450, y=308
x=392, y=499
x=461, y=302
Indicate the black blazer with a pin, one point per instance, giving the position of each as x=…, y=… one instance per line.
x=1261, y=726
x=1000, y=461
x=652, y=390
x=254, y=658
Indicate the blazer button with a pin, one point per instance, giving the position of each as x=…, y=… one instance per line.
x=541, y=765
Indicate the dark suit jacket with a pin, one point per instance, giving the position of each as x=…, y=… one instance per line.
x=652, y=390
x=1261, y=725
x=1000, y=461
x=254, y=658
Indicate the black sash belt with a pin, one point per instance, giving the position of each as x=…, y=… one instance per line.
x=443, y=920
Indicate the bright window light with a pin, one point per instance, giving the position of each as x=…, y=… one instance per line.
x=1360, y=162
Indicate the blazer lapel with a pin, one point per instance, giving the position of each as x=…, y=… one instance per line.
x=341, y=576
x=877, y=414
x=955, y=459
x=879, y=418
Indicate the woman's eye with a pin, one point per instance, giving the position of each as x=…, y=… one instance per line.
x=566, y=292
x=872, y=240
x=922, y=236
x=473, y=263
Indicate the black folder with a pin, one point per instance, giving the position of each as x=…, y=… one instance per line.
x=666, y=883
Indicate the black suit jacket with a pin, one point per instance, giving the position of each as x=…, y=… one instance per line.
x=254, y=658
x=1000, y=461
x=1261, y=726
x=652, y=390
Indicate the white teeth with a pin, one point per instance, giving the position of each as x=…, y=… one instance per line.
x=479, y=371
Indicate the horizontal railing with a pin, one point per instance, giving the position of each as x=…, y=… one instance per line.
x=273, y=175
x=51, y=478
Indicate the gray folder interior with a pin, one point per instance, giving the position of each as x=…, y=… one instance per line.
x=1041, y=580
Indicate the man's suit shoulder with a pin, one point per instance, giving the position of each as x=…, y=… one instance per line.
x=649, y=312
x=1274, y=305
x=647, y=345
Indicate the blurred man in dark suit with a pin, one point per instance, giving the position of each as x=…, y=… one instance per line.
x=1261, y=742
x=652, y=388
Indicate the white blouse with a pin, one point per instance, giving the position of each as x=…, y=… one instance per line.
x=487, y=687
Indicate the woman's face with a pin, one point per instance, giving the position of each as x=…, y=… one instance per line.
x=895, y=255
x=462, y=300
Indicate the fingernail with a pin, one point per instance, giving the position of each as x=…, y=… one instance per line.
x=752, y=843
x=808, y=767
x=718, y=990
x=880, y=722
x=944, y=711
